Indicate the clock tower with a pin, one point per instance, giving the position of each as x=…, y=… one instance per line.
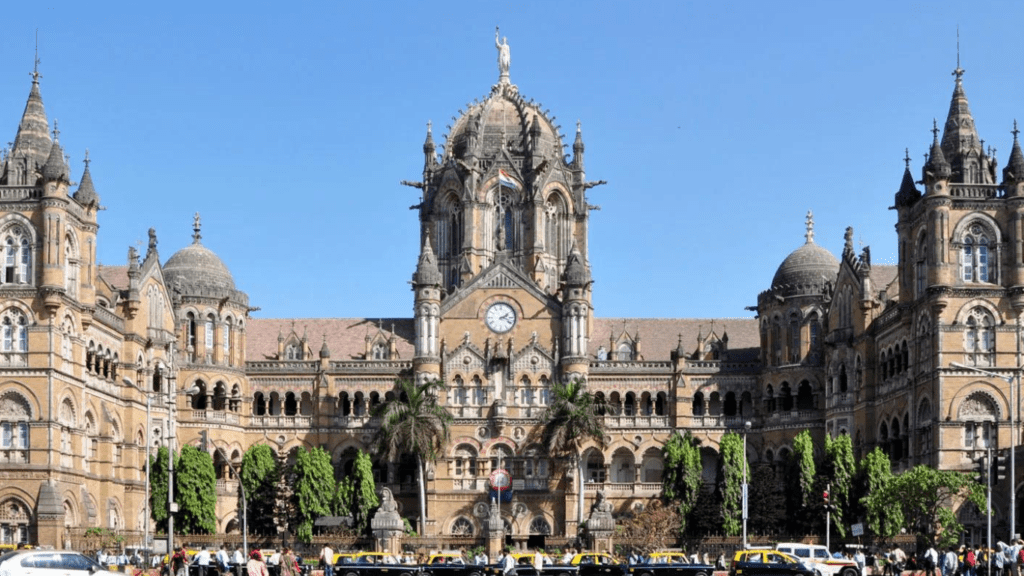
x=503, y=225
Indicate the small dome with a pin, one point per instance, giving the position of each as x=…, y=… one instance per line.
x=197, y=265
x=808, y=265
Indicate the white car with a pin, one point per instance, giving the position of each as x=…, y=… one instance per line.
x=49, y=563
x=818, y=557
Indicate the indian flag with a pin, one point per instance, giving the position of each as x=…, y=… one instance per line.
x=505, y=180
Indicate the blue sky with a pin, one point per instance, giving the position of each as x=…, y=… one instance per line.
x=718, y=125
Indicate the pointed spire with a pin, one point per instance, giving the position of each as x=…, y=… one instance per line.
x=1014, y=170
x=959, y=135
x=325, y=352
x=908, y=193
x=937, y=168
x=86, y=193
x=427, y=272
x=578, y=148
x=809, y=235
x=33, y=139
x=196, y=229
x=428, y=146
x=576, y=273
x=55, y=168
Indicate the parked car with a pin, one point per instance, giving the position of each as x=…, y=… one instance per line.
x=374, y=564
x=49, y=563
x=764, y=562
x=525, y=566
x=820, y=559
x=670, y=564
x=451, y=563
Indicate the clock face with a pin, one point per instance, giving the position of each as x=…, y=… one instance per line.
x=500, y=317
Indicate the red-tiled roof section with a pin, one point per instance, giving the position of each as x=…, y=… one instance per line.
x=346, y=337
x=881, y=277
x=660, y=336
x=116, y=276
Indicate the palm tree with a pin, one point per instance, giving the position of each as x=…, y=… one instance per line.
x=568, y=423
x=413, y=422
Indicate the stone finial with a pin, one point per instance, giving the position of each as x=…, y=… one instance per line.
x=196, y=227
x=152, y=243
x=809, y=235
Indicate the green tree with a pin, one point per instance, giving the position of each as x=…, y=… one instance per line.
x=568, y=423
x=925, y=499
x=731, y=465
x=314, y=489
x=414, y=422
x=364, y=499
x=158, y=488
x=803, y=453
x=683, y=469
x=706, y=519
x=840, y=469
x=765, y=505
x=259, y=481
x=875, y=473
x=195, y=491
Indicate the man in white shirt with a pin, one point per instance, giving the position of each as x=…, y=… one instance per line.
x=508, y=565
x=222, y=560
x=858, y=557
x=327, y=560
x=567, y=558
x=203, y=560
x=238, y=560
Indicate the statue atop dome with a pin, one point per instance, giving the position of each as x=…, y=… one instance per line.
x=504, y=57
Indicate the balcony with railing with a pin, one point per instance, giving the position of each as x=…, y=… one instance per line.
x=634, y=421
x=350, y=421
x=840, y=400
x=215, y=416
x=282, y=421
x=625, y=488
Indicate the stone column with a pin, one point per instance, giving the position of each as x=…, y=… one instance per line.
x=495, y=531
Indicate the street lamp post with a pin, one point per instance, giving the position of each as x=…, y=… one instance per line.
x=746, y=428
x=1013, y=431
x=172, y=416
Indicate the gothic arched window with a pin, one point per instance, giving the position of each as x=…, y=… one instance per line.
x=794, y=338
x=979, y=338
x=17, y=257
x=974, y=261
x=71, y=266
x=14, y=325
x=920, y=267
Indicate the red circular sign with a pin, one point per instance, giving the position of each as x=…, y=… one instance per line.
x=500, y=479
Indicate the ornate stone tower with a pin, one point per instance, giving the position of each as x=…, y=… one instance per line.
x=503, y=226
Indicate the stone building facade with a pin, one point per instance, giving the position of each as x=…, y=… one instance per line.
x=98, y=363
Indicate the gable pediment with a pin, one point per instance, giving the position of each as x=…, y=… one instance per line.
x=500, y=275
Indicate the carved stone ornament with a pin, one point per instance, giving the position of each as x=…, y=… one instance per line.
x=977, y=406
x=14, y=407
x=601, y=518
x=387, y=517
x=480, y=510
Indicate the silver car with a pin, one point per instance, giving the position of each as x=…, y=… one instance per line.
x=49, y=563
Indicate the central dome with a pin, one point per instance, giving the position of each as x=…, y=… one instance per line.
x=503, y=120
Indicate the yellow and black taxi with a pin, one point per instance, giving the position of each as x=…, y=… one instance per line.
x=373, y=564
x=669, y=564
x=451, y=563
x=526, y=565
x=767, y=562
x=597, y=564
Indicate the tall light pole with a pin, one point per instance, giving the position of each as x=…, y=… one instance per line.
x=1013, y=429
x=172, y=416
x=746, y=428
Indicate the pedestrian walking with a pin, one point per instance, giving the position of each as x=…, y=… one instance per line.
x=287, y=563
x=327, y=560
x=203, y=561
x=256, y=566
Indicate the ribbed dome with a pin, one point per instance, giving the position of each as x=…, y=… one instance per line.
x=197, y=266
x=808, y=265
x=502, y=120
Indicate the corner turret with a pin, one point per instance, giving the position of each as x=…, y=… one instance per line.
x=86, y=194
x=1013, y=173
